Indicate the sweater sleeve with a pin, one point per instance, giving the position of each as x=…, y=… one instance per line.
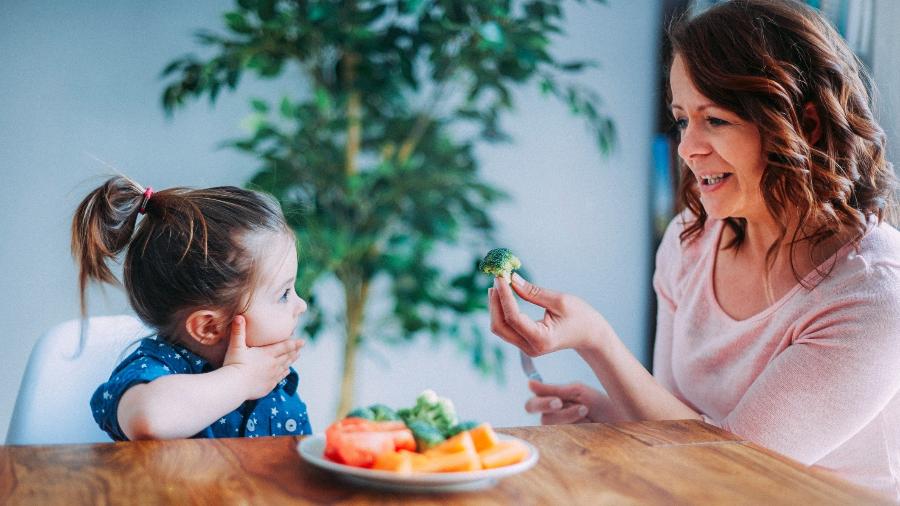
x=665, y=281
x=841, y=369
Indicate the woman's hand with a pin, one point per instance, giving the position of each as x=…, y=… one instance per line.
x=262, y=367
x=572, y=403
x=569, y=322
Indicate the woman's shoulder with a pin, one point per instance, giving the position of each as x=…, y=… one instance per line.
x=688, y=249
x=677, y=258
x=877, y=256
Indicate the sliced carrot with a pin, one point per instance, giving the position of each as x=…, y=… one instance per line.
x=458, y=443
x=483, y=436
x=503, y=453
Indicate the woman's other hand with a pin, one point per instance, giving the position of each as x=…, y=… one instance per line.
x=572, y=403
x=568, y=322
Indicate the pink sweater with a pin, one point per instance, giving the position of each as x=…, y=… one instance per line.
x=815, y=376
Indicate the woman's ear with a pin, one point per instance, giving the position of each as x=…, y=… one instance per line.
x=812, y=126
x=205, y=326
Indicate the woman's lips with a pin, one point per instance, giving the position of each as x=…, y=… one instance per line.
x=707, y=188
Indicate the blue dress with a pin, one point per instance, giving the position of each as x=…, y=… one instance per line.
x=281, y=412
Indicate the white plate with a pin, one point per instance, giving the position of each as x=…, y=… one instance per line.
x=312, y=450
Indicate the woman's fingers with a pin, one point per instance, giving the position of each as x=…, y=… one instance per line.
x=525, y=327
x=543, y=405
x=547, y=299
x=499, y=325
x=567, y=392
x=570, y=414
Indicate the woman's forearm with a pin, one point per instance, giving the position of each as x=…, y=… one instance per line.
x=179, y=405
x=629, y=385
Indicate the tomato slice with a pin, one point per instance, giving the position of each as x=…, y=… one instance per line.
x=357, y=441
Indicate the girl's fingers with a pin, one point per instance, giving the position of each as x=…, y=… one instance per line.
x=284, y=347
x=238, y=333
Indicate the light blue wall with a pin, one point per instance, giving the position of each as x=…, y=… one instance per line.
x=79, y=89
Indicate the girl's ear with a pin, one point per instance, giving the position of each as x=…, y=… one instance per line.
x=812, y=126
x=205, y=326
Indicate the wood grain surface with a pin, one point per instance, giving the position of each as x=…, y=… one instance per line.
x=676, y=462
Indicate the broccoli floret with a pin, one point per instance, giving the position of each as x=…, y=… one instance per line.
x=499, y=262
x=436, y=411
x=426, y=435
x=383, y=413
x=462, y=427
x=362, y=412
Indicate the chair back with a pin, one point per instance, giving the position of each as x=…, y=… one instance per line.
x=53, y=405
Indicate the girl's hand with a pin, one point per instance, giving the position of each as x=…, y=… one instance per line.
x=572, y=403
x=262, y=367
x=569, y=322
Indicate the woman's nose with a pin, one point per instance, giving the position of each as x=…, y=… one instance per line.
x=693, y=143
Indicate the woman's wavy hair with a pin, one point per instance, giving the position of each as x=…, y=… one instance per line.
x=192, y=249
x=765, y=60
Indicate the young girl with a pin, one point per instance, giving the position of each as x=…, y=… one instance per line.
x=213, y=272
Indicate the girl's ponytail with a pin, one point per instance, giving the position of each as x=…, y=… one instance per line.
x=102, y=228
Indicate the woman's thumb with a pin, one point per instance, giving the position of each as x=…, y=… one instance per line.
x=534, y=294
x=238, y=333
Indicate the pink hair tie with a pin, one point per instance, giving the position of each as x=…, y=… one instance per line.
x=147, y=194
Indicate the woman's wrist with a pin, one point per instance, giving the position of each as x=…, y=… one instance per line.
x=597, y=337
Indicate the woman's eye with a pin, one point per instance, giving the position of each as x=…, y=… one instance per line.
x=716, y=121
x=681, y=123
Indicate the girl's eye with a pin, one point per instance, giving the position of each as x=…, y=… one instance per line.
x=716, y=121
x=681, y=123
x=284, y=296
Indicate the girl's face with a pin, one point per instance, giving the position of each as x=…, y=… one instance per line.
x=723, y=151
x=274, y=305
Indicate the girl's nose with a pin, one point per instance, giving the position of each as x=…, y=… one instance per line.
x=693, y=143
x=301, y=307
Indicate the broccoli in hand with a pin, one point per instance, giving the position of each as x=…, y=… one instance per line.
x=499, y=262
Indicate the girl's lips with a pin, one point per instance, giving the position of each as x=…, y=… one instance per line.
x=707, y=188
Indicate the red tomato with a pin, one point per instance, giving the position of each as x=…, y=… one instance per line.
x=357, y=442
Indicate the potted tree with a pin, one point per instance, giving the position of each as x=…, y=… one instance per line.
x=372, y=158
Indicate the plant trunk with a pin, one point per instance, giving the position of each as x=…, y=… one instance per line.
x=356, y=292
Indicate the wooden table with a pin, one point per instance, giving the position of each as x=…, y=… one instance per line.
x=674, y=462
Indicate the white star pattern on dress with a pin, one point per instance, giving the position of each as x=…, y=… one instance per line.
x=222, y=420
x=106, y=395
x=198, y=362
x=274, y=411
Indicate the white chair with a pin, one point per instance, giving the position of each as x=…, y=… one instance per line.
x=53, y=405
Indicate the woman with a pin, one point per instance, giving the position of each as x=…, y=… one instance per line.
x=779, y=283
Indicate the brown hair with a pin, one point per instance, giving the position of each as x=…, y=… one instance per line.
x=764, y=60
x=190, y=250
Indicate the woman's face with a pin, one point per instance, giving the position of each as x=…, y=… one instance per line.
x=723, y=151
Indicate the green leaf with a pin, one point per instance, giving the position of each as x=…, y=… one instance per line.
x=259, y=105
x=237, y=22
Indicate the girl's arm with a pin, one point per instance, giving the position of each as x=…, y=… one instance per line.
x=181, y=405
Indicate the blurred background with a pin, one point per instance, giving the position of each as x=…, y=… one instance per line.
x=80, y=98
